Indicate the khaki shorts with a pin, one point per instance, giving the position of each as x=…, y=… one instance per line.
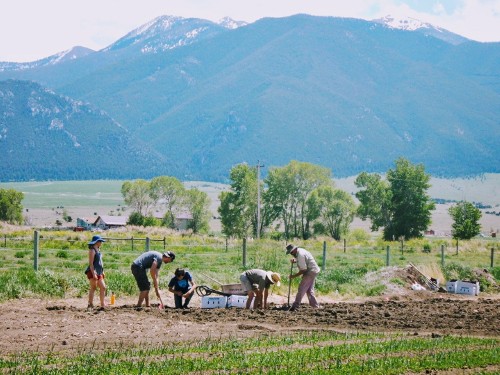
x=247, y=285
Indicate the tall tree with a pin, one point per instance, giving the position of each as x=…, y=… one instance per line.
x=465, y=220
x=411, y=205
x=238, y=208
x=168, y=192
x=136, y=194
x=401, y=205
x=289, y=187
x=375, y=200
x=198, y=205
x=337, y=210
x=11, y=209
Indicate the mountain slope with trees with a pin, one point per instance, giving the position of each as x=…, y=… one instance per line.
x=46, y=136
x=346, y=94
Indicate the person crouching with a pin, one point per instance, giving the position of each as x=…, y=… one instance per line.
x=182, y=286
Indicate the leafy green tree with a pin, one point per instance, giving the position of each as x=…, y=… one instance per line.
x=375, y=200
x=198, y=205
x=411, y=205
x=337, y=210
x=169, y=192
x=238, y=208
x=135, y=218
x=401, y=205
x=465, y=220
x=289, y=188
x=11, y=209
x=137, y=195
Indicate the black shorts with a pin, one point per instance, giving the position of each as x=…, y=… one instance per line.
x=141, y=278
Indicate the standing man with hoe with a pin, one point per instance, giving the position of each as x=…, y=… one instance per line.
x=308, y=269
x=151, y=260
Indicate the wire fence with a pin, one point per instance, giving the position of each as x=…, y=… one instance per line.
x=210, y=255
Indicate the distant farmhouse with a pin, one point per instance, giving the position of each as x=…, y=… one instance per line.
x=182, y=221
x=104, y=222
x=86, y=223
x=110, y=222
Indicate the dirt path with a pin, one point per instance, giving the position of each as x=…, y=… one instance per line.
x=41, y=325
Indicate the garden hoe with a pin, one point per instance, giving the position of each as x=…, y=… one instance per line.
x=290, y=282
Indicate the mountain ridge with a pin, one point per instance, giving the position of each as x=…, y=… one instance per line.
x=348, y=94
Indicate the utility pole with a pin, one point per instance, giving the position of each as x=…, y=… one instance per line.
x=258, y=197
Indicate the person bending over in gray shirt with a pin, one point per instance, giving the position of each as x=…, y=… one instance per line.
x=150, y=260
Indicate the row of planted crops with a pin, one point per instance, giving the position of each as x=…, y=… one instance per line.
x=326, y=352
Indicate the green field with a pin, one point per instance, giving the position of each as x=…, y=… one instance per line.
x=50, y=194
x=351, y=271
x=485, y=188
x=302, y=353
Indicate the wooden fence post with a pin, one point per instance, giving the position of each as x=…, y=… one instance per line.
x=442, y=255
x=36, y=238
x=492, y=257
x=147, y=244
x=388, y=256
x=345, y=245
x=324, y=256
x=244, y=252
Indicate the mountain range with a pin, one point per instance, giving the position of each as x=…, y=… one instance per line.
x=191, y=98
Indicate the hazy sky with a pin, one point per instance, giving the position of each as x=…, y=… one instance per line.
x=33, y=29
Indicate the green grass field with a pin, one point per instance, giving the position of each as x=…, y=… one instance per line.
x=484, y=189
x=63, y=257
x=69, y=193
x=301, y=353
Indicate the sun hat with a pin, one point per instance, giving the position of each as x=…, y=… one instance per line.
x=290, y=248
x=96, y=239
x=274, y=277
x=169, y=254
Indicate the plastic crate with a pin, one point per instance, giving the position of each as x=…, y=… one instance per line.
x=211, y=302
x=468, y=287
x=451, y=286
x=237, y=301
x=463, y=287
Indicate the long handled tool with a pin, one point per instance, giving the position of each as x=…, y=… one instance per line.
x=290, y=283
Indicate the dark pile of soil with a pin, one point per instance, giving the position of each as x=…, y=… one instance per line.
x=42, y=325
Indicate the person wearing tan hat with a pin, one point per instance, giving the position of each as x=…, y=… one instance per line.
x=256, y=283
x=308, y=269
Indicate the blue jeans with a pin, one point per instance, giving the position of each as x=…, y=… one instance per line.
x=178, y=301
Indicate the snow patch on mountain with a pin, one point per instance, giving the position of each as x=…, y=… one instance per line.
x=229, y=23
x=412, y=24
x=405, y=23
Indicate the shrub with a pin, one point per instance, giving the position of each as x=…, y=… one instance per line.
x=358, y=235
x=21, y=254
x=455, y=271
x=62, y=254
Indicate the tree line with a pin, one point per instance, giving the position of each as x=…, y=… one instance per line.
x=168, y=194
x=298, y=200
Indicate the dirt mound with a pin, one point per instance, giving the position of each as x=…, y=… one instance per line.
x=42, y=325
